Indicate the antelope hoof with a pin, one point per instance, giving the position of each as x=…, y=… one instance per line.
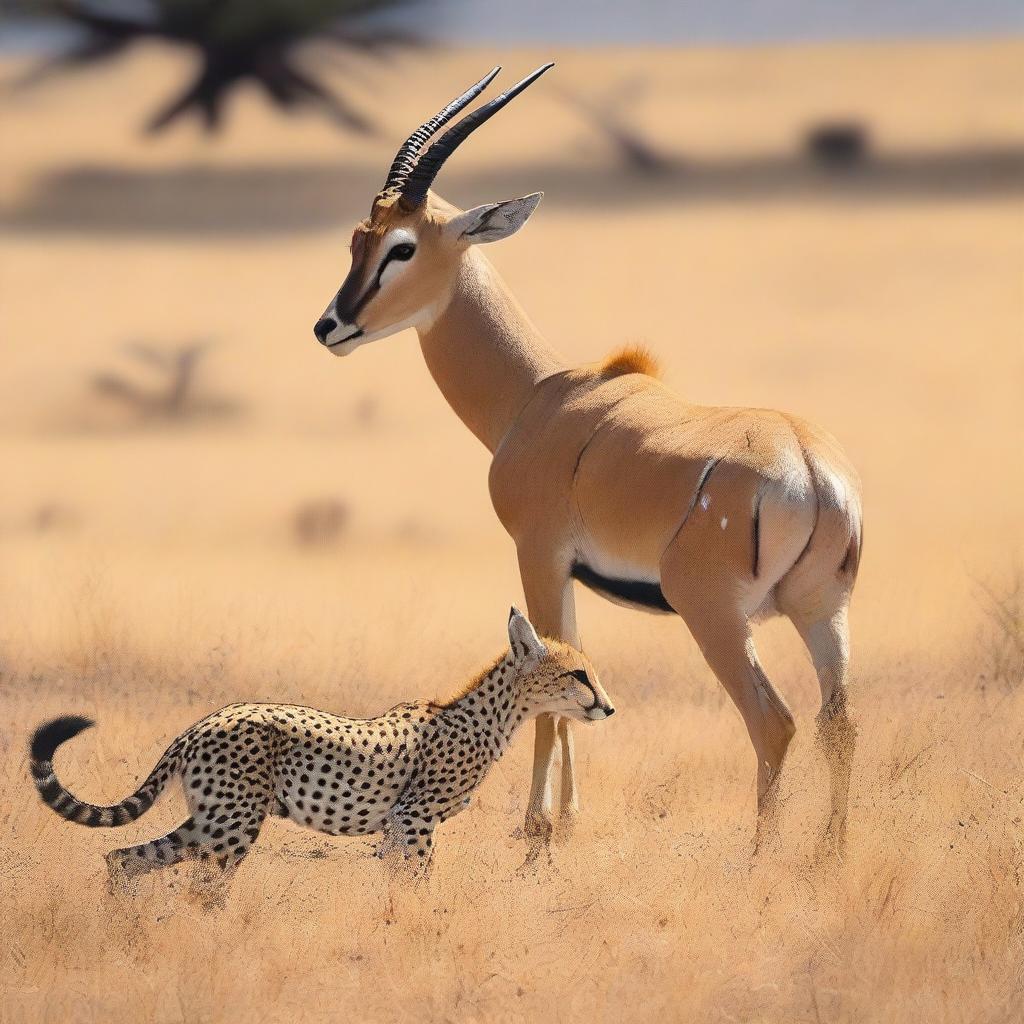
x=537, y=831
x=533, y=855
x=538, y=827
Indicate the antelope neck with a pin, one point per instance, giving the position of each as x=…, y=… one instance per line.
x=484, y=352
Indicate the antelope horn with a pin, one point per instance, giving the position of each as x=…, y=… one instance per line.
x=406, y=157
x=424, y=171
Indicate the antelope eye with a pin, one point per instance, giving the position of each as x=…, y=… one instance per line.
x=402, y=252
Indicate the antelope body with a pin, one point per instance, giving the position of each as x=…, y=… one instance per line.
x=601, y=474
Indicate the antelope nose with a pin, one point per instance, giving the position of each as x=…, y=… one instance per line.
x=323, y=329
x=608, y=712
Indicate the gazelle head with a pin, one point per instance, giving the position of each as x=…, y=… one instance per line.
x=555, y=678
x=405, y=255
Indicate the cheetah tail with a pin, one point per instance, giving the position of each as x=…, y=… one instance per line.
x=47, y=738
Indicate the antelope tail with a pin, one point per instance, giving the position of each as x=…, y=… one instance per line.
x=47, y=738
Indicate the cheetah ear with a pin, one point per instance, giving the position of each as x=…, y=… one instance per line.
x=522, y=637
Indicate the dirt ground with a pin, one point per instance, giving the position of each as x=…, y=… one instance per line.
x=319, y=531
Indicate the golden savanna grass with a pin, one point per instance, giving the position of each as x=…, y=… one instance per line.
x=151, y=572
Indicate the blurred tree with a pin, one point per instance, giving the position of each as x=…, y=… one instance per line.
x=609, y=116
x=175, y=395
x=236, y=40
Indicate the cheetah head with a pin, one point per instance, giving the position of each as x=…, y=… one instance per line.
x=555, y=678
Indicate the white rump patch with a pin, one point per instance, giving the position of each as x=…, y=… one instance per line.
x=725, y=522
x=837, y=484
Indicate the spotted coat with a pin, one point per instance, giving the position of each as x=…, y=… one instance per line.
x=400, y=774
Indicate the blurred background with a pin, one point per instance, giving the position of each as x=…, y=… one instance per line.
x=811, y=206
x=827, y=198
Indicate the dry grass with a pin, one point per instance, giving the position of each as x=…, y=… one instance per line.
x=654, y=909
x=1003, y=638
x=171, y=583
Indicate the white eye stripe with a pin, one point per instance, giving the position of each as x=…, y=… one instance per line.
x=392, y=268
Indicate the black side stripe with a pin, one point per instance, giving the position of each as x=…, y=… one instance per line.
x=635, y=592
x=702, y=480
x=705, y=475
x=757, y=534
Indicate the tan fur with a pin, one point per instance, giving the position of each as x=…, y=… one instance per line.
x=558, y=653
x=730, y=514
x=630, y=359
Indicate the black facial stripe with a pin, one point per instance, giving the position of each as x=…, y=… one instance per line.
x=374, y=288
x=380, y=270
x=393, y=255
x=366, y=296
x=580, y=675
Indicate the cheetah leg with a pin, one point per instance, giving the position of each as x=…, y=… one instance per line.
x=217, y=869
x=127, y=864
x=227, y=839
x=210, y=887
x=409, y=841
x=229, y=819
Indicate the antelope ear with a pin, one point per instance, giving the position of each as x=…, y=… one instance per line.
x=494, y=221
x=522, y=637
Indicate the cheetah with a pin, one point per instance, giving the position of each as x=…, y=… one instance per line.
x=400, y=775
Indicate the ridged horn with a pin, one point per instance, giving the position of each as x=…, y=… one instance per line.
x=410, y=149
x=417, y=183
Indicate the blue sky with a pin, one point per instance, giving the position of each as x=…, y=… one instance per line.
x=702, y=21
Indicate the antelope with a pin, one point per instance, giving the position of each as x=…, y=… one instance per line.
x=602, y=475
